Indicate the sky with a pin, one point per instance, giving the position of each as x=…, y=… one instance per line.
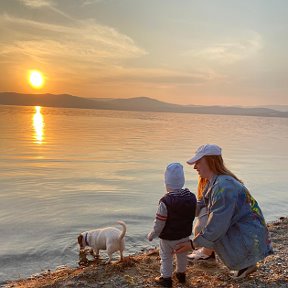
x=201, y=52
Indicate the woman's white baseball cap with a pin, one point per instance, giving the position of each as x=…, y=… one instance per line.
x=205, y=150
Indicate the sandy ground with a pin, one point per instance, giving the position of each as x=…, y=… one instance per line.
x=140, y=270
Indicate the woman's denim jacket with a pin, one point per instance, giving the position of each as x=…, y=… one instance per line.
x=236, y=228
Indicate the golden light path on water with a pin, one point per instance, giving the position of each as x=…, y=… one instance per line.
x=38, y=124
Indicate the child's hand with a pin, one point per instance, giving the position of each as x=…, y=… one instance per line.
x=150, y=236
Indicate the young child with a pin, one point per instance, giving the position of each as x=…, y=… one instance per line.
x=173, y=224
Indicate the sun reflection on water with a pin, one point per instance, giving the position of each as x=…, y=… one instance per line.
x=38, y=124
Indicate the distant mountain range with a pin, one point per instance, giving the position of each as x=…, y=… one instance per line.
x=132, y=104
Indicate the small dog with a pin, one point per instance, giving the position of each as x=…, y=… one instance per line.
x=109, y=238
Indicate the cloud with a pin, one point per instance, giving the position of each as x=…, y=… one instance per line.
x=90, y=2
x=229, y=52
x=82, y=41
x=156, y=76
x=87, y=52
x=84, y=50
x=37, y=3
x=44, y=4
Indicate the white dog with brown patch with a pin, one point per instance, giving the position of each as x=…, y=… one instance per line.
x=109, y=238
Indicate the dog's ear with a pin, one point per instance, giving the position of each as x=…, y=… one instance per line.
x=80, y=241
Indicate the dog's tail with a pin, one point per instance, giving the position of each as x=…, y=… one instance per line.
x=122, y=223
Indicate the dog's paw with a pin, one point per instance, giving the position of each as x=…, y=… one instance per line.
x=83, y=262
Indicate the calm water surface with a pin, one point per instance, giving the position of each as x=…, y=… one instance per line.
x=63, y=171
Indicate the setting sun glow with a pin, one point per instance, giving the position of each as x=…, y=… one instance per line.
x=36, y=79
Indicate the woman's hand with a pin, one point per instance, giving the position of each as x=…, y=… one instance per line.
x=183, y=247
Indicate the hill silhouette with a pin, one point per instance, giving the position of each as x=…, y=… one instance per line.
x=131, y=104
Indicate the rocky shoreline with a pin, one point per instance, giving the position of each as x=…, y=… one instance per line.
x=140, y=271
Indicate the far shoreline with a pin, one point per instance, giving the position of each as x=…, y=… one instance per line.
x=136, y=104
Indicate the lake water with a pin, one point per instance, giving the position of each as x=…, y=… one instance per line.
x=63, y=171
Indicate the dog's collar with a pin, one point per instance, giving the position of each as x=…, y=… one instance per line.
x=86, y=240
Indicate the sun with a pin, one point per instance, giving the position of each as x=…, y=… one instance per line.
x=36, y=79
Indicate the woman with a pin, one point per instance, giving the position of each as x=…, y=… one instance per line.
x=235, y=228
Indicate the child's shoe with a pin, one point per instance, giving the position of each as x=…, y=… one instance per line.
x=165, y=282
x=181, y=277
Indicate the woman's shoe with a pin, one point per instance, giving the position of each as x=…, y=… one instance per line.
x=244, y=272
x=193, y=254
x=200, y=255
